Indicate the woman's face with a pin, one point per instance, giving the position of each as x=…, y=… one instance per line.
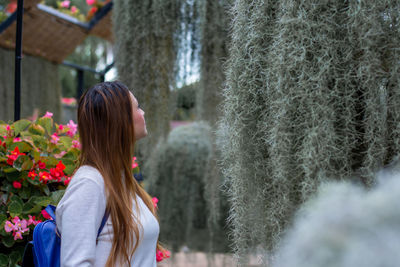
x=138, y=119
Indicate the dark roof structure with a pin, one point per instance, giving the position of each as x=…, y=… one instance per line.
x=53, y=35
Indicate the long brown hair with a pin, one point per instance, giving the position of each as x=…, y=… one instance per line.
x=106, y=130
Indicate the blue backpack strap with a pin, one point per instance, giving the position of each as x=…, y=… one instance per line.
x=50, y=209
x=103, y=222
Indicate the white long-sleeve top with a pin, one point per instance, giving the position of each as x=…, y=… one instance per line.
x=79, y=215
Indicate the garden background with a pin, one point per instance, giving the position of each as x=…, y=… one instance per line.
x=273, y=126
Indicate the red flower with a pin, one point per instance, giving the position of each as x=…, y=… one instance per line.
x=92, y=11
x=17, y=184
x=44, y=177
x=11, y=7
x=60, y=166
x=41, y=165
x=67, y=180
x=32, y=174
x=56, y=174
x=14, y=155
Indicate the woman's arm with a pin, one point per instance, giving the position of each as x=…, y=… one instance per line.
x=79, y=216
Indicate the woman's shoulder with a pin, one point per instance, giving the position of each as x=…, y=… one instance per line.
x=86, y=173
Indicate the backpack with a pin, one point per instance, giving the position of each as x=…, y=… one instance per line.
x=44, y=250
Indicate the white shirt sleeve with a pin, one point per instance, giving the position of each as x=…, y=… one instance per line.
x=79, y=215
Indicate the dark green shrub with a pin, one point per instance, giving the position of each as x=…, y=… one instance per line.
x=178, y=176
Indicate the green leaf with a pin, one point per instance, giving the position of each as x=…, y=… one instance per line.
x=8, y=241
x=22, y=146
x=34, y=182
x=13, y=176
x=25, y=193
x=66, y=141
x=20, y=125
x=26, y=209
x=36, y=129
x=72, y=155
x=3, y=260
x=46, y=190
x=56, y=196
x=15, y=208
x=17, y=199
x=50, y=162
x=3, y=218
x=46, y=123
x=15, y=257
x=9, y=170
x=43, y=201
x=23, y=163
x=70, y=166
x=40, y=141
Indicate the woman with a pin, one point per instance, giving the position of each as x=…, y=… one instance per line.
x=109, y=123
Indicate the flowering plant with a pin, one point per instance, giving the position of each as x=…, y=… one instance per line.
x=37, y=159
x=93, y=6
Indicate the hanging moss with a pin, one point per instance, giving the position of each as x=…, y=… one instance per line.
x=177, y=175
x=214, y=38
x=145, y=53
x=345, y=226
x=310, y=97
x=40, y=86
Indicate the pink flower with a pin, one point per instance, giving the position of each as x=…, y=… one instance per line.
x=17, y=139
x=155, y=201
x=17, y=184
x=60, y=155
x=8, y=226
x=8, y=128
x=159, y=256
x=16, y=220
x=17, y=235
x=72, y=128
x=90, y=2
x=46, y=215
x=65, y=4
x=54, y=138
x=76, y=144
x=22, y=226
x=167, y=254
x=60, y=127
x=73, y=11
x=134, y=163
x=48, y=115
x=31, y=220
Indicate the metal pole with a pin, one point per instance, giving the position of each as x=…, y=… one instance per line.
x=18, y=56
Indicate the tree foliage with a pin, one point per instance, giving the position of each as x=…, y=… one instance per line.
x=214, y=23
x=310, y=96
x=145, y=54
x=345, y=225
